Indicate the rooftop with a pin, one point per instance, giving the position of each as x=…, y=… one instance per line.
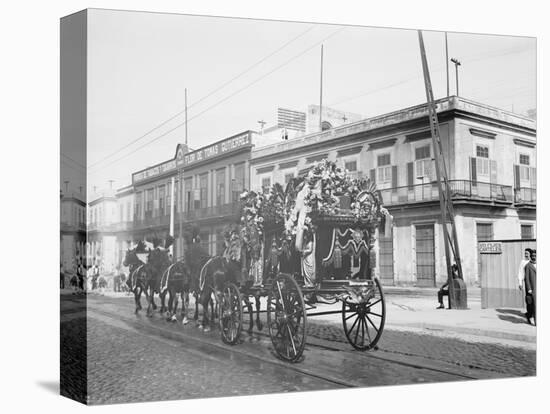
x=396, y=117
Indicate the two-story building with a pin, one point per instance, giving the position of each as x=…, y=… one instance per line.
x=72, y=229
x=491, y=164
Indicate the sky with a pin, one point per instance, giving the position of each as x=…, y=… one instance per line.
x=239, y=71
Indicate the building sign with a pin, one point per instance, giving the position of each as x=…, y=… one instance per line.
x=154, y=171
x=215, y=150
x=490, y=247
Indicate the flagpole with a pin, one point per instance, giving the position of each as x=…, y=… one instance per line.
x=321, y=95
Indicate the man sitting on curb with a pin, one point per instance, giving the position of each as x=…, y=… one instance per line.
x=444, y=291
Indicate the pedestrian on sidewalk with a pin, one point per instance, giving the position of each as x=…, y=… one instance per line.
x=531, y=288
x=521, y=271
x=444, y=290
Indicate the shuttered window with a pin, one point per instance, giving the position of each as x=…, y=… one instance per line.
x=527, y=231
x=484, y=231
x=351, y=166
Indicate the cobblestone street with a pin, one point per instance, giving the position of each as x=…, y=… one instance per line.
x=135, y=358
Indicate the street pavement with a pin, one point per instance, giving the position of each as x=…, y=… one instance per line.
x=135, y=358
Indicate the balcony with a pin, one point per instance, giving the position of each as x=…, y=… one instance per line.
x=525, y=197
x=149, y=222
x=472, y=191
x=222, y=210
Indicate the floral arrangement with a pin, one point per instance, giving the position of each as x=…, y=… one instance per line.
x=318, y=192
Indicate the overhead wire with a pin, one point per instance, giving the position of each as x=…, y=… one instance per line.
x=204, y=97
x=224, y=99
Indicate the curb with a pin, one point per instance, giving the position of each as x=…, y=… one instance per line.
x=469, y=331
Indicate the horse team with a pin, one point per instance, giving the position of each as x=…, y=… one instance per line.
x=158, y=275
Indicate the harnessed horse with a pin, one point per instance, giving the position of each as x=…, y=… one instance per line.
x=141, y=280
x=176, y=279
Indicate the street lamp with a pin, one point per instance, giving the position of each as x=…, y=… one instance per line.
x=457, y=64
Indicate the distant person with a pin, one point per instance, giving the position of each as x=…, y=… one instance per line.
x=521, y=271
x=531, y=288
x=444, y=290
x=62, y=278
x=80, y=276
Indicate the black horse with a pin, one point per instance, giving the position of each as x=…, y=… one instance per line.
x=141, y=280
x=217, y=272
x=176, y=279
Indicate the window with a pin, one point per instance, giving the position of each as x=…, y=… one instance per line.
x=527, y=231
x=384, y=169
x=220, y=186
x=351, y=166
x=423, y=162
x=524, y=159
x=482, y=165
x=137, y=209
x=237, y=184
x=121, y=213
x=484, y=231
x=203, y=187
x=266, y=183
x=482, y=152
x=162, y=199
x=149, y=197
x=288, y=177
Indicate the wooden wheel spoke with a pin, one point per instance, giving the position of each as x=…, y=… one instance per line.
x=375, y=314
x=373, y=325
x=367, y=329
x=357, y=333
x=351, y=329
x=373, y=303
x=350, y=316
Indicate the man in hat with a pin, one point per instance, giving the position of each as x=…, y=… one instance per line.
x=531, y=288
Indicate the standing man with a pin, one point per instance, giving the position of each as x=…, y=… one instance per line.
x=521, y=272
x=531, y=288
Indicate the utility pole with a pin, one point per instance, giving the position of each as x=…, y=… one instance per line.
x=457, y=64
x=321, y=95
x=447, y=62
x=445, y=199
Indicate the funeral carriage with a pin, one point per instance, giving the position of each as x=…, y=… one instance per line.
x=308, y=250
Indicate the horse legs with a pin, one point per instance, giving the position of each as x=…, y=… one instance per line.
x=196, y=315
x=153, y=304
x=149, y=296
x=206, y=297
x=137, y=298
x=184, y=304
x=259, y=324
x=175, y=306
x=162, y=301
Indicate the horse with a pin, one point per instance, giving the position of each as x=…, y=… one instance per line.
x=215, y=273
x=176, y=279
x=141, y=280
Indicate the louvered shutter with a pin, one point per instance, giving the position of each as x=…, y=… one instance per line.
x=373, y=175
x=533, y=177
x=433, y=175
x=493, y=171
x=394, y=178
x=473, y=171
x=410, y=175
x=517, y=184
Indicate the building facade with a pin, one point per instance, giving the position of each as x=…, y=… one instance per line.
x=72, y=230
x=490, y=158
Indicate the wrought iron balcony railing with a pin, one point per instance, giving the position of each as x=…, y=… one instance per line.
x=460, y=189
x=214, y=211
x=525, y=195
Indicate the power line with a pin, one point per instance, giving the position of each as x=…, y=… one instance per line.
x=206, y=96
x=226, y=98
x=471, y=59
x=73, y=160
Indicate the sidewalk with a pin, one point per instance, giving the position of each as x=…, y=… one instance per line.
x=414, y=309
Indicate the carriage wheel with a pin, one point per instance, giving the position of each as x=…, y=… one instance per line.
x=364, y=323
x=286, y=318
x=230, y=314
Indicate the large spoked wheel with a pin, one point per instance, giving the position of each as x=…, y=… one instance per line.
x=230, y=314
x=286, y=318
x=364, y=322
